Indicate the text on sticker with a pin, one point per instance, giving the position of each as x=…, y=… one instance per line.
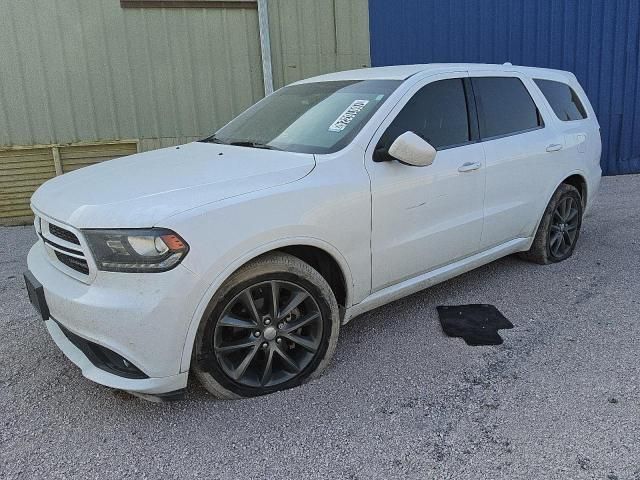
x=348, y=115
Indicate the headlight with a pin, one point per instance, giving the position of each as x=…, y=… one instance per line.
x=149, y=250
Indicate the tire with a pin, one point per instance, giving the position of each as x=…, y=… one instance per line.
x=562, y=217
x=246, y=347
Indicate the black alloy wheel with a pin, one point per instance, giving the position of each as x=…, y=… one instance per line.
x=267, y=334
x=559, y=228
x=272, y=325
x=563, y=231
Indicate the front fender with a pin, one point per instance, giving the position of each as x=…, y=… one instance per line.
x=242, y=260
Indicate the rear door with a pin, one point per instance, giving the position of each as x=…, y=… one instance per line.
x=519, y=146
x=426, y=217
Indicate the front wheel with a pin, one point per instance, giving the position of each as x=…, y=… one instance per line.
x=559, y=228
x=273, y=325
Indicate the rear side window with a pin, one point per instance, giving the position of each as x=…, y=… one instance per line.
x=504, y=106
x=437, y=113
x=564, y=101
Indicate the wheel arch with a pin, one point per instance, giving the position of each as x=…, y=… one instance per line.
x=576, y=179
x=313, y=251
x=326, y=265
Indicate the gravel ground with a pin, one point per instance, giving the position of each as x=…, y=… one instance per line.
x=559, y=399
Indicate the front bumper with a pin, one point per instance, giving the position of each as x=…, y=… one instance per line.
x=89, y=370
x=142, y=317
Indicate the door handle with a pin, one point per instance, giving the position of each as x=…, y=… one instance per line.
x=469, y=167
x=554, y=147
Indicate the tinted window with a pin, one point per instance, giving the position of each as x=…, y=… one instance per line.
x=563, y=100
x=437, y=113
x=504, y=106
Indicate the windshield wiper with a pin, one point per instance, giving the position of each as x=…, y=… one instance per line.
x=253, y=145
x=212, y=139
x=243, y=143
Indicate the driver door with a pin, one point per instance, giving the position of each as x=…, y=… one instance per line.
x=427, y=217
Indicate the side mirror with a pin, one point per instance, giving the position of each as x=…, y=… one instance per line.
x=409, y=148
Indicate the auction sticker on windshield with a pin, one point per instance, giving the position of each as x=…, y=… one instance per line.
x=348, y=115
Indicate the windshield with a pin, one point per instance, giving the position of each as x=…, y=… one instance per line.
x=320, y=117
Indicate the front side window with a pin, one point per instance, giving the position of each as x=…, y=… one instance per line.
x=437, y=113
x=563, y=100
x=320, y=117
x=504, y=106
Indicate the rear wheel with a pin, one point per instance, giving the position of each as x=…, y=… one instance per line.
x=559, y=228
x=273, y=325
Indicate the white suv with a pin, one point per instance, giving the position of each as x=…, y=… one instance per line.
x=238, y=257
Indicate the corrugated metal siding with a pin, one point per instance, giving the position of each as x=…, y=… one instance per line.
x=21, y=172
x=73, y=157
x=598, y=40
x=88, y=70
x=311, y=37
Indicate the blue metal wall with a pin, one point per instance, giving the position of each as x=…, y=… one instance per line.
x=598, y=40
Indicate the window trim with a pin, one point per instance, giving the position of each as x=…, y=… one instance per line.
x=586, y=112
x=472, y=111
x=517, y=132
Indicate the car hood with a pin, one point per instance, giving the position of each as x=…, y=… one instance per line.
x=142, y=189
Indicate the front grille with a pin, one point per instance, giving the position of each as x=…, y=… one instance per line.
x=63, y=247
x=78, y=264
x=65, y=235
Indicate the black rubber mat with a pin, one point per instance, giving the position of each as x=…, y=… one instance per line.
x=476, y=324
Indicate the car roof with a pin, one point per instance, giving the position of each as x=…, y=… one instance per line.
x=402, y=72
